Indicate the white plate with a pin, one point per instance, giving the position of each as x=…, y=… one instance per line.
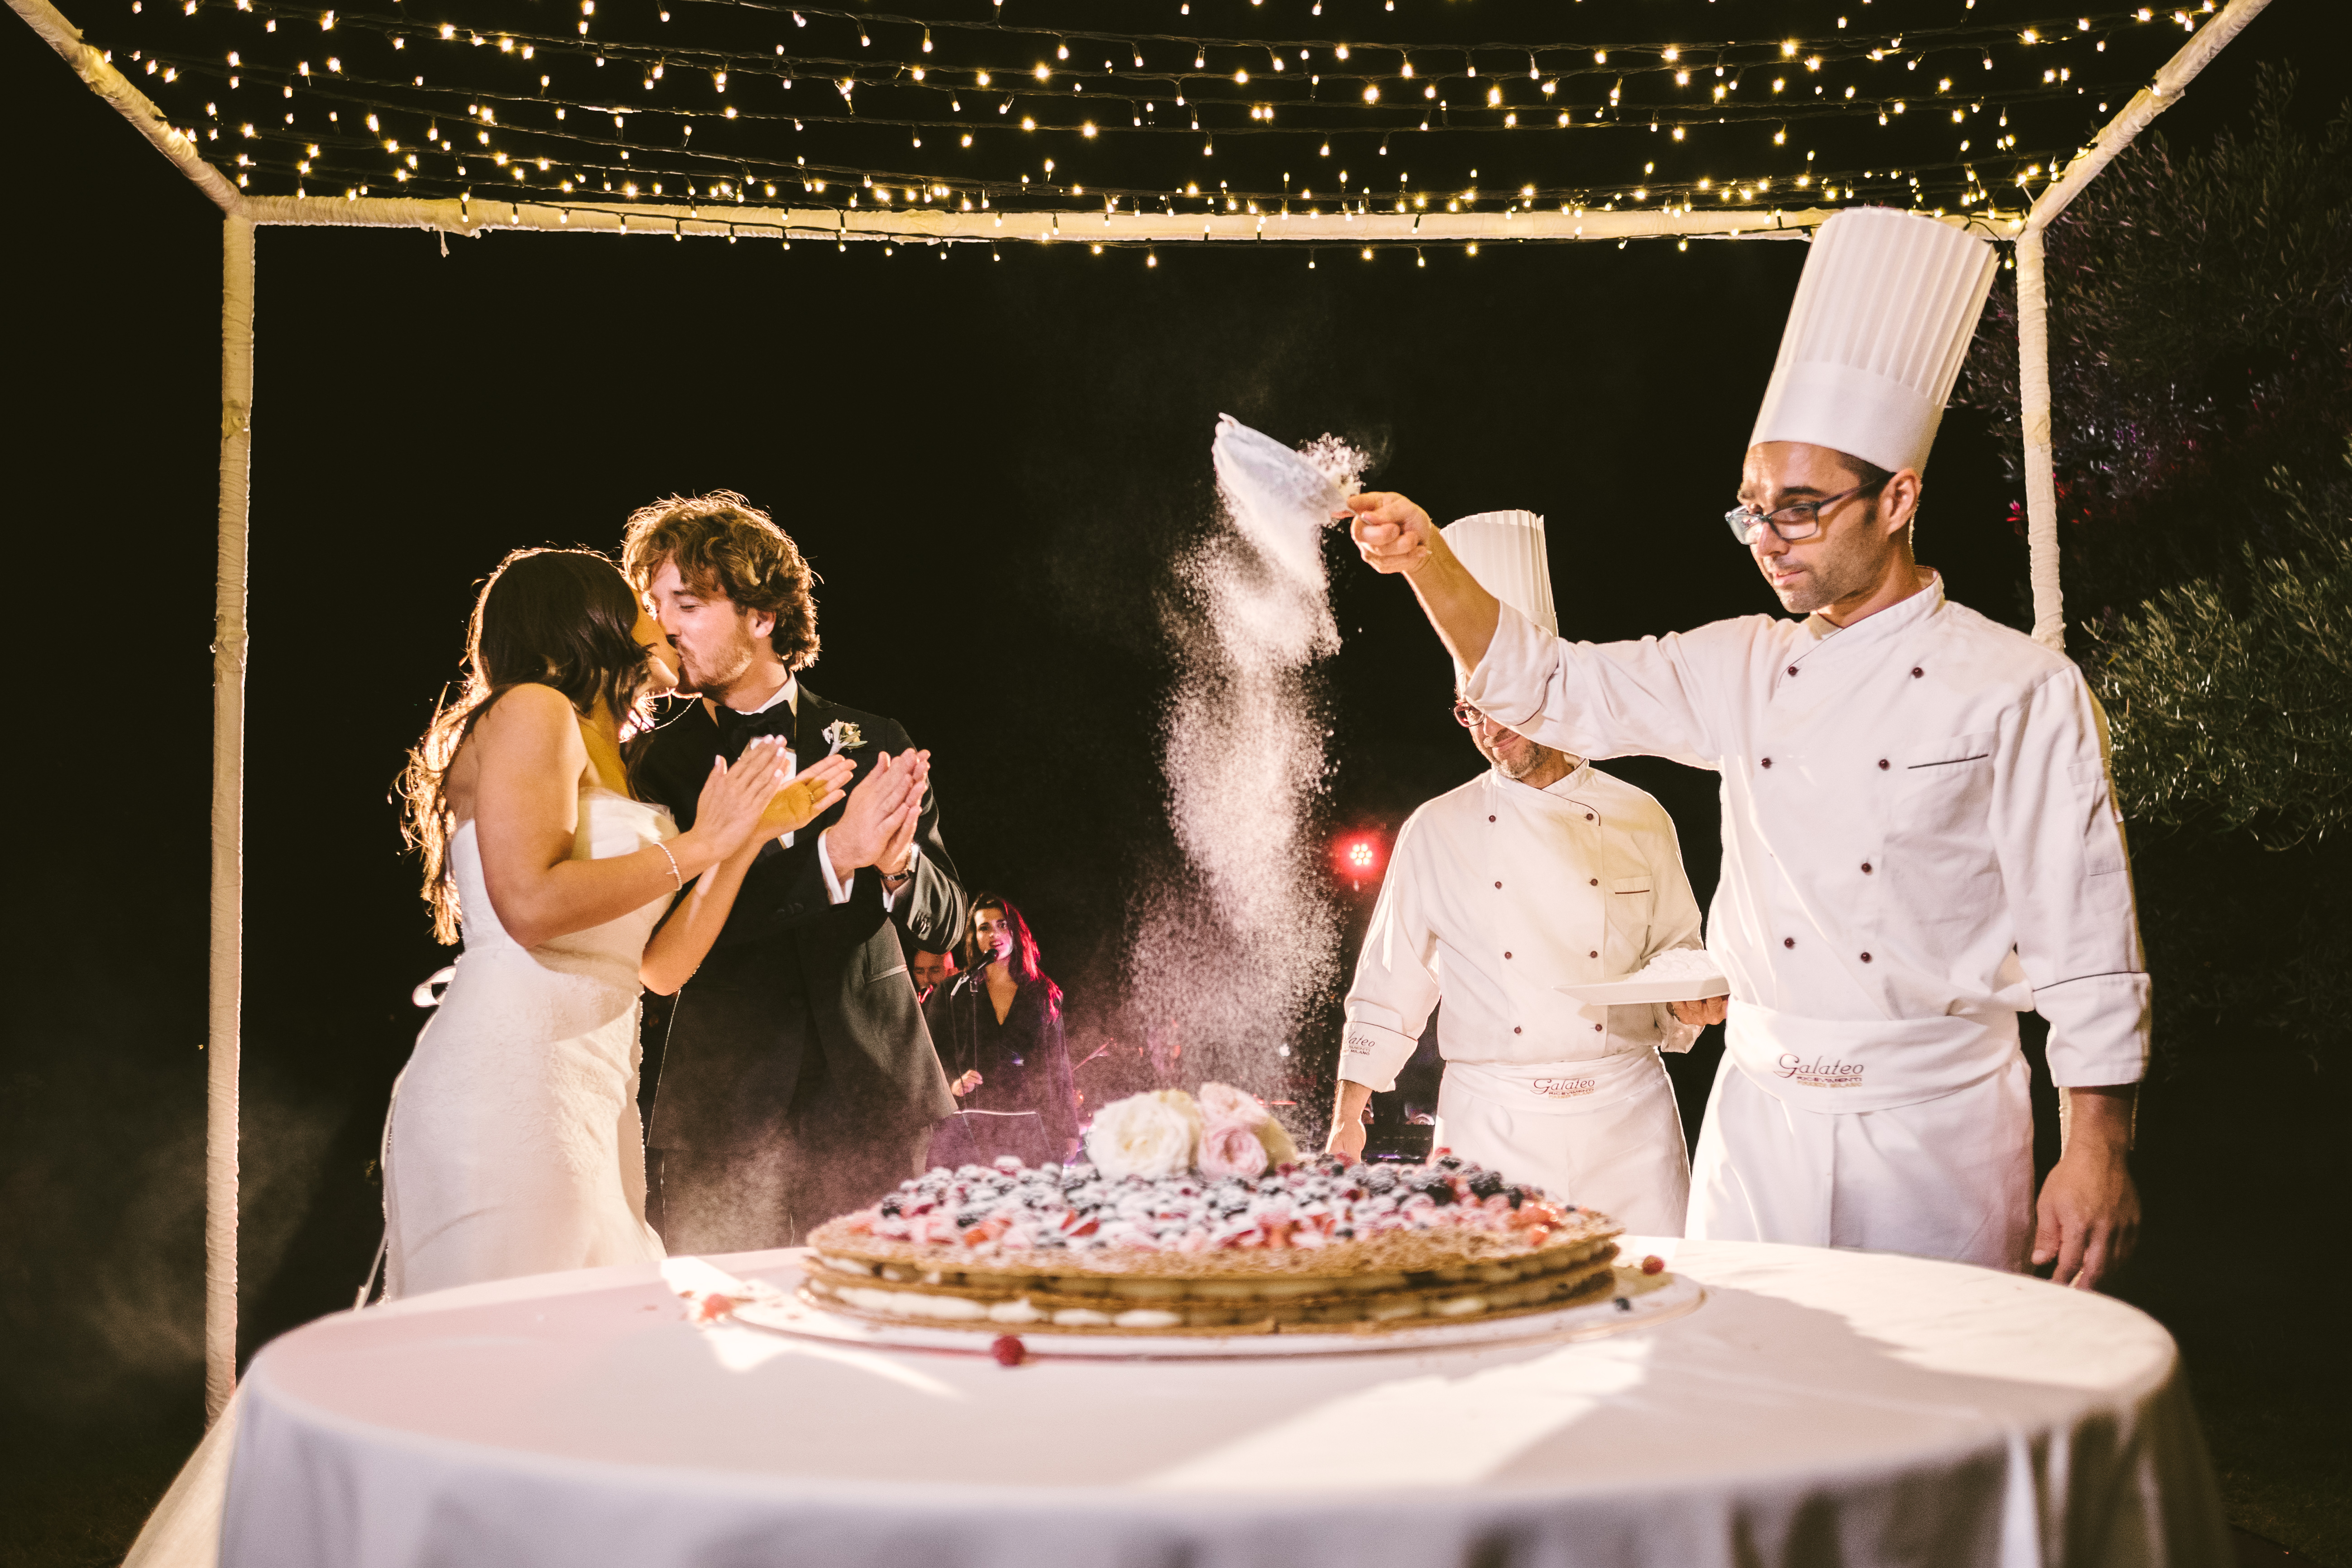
x=1626, y=993
x=1647, y=1299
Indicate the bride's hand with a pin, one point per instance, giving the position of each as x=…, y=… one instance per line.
x=805, y=799
x=734, y=799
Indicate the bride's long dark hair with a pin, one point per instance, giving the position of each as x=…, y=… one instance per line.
x=564, y=618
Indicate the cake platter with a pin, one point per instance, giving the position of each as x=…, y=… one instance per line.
x=1639, y=1300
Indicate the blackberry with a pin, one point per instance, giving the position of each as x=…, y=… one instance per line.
x=1449, y=1161
x=1517, y=1196
x=971, y=1214
x=890, y=1204
x=1379, y=1179
x=1440, y=1191
x=1485, y=1184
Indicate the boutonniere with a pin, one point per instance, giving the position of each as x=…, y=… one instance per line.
x=842, y=736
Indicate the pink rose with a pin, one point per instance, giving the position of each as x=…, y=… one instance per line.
x=1224, y=1102
x=1232, y=1149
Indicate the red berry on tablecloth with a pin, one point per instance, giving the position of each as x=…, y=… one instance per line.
x=1008, y=1350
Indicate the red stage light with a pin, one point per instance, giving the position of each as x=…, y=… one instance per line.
x=1359, y=857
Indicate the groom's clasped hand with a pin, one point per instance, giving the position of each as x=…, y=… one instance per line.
x=877, y=828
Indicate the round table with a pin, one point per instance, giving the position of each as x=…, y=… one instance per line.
x=1819, y=1407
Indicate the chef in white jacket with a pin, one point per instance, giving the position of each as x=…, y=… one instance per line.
x=1540, y=872
x=1919, y=834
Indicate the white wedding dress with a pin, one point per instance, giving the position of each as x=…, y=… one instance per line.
x=513, y=1145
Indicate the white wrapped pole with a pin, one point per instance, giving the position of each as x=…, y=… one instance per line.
x=2033, y=406
x=228, y=817
x=2033, y=310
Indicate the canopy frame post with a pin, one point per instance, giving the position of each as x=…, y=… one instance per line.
x=223, y=1040
x=2033, y=303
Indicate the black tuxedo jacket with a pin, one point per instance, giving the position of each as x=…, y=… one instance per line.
x=792, y=972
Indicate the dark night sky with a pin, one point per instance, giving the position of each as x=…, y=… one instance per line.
x=990, y=461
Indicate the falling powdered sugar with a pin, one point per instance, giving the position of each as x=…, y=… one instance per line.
x=1230, y=956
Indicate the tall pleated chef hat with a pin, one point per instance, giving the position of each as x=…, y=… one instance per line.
x=1505, y=551
x=1883, y=318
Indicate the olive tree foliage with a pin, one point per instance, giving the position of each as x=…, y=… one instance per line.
x=2230, y=697
x=2201, y=338
x=2201, y=328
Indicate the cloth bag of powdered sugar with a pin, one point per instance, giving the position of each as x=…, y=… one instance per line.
x=1280, y=499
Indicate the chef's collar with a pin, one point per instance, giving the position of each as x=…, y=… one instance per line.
x=1900, y=616
x=788, y=693
x=1566, y=787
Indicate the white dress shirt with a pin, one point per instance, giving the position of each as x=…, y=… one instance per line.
x=1496, y=893
x=1917, y=819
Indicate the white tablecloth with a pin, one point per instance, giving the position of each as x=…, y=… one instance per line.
x=1821, y=1407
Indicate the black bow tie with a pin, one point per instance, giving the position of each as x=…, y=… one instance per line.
x=737, y=729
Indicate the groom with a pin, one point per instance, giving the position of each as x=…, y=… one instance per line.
x=798, y=1082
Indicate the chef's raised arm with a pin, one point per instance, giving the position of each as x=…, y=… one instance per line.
x=2068, y=880
x=1485, y=584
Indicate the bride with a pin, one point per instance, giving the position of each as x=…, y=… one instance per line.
x=513, y=1146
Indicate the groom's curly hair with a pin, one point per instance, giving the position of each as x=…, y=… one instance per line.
x=725, y=547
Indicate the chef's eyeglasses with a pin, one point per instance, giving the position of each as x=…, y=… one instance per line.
x=1469, y=718
x=1799, y=519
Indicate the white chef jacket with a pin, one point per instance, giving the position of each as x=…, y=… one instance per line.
x=1917, y=825
x=1497, y=892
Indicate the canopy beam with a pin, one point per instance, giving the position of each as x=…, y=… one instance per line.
x=102, y=79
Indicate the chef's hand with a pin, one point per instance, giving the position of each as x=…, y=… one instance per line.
x=1390, y=533
x=1348, y=1111
x=966, y=1084
x=2088, y=1219
x=1706, y=1010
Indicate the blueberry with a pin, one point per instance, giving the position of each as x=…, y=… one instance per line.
x=1485, y=1184
x=890, y=1204
x=1449, y=1161
x=971, y=1214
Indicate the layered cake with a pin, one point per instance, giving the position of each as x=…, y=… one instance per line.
x=1199, y=1218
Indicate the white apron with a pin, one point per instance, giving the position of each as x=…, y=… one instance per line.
x=1906, y=1135
x=1603, y=1134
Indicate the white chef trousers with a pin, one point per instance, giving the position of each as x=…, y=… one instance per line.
x=1616, y=1146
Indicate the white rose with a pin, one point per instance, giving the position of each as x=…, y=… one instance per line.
x=1143, y=1135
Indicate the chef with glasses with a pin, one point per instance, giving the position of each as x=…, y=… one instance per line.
x=1541, y=877
x=1919, y=835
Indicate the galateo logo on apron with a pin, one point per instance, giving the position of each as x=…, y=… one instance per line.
x=1819, y=1073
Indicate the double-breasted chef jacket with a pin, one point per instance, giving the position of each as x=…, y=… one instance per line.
x=1497, y=893
x=1919, y=841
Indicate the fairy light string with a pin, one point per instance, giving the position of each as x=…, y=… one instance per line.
x=869, y=112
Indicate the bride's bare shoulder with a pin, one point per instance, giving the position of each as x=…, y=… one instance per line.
x=529, y=724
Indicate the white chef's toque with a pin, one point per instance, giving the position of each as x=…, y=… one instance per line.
x=1505, y=551
x=1882, y=321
